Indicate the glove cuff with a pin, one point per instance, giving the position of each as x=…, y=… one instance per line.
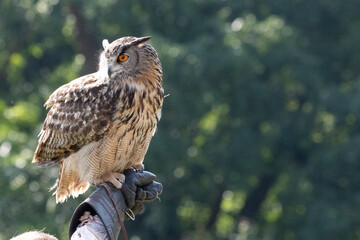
x=99, y=203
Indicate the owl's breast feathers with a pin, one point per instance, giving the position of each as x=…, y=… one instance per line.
x=84, y=110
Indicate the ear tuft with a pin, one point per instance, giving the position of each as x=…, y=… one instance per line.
x=105, y=43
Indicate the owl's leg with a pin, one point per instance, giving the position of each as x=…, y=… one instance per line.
x=116, y=179
x=138, y=167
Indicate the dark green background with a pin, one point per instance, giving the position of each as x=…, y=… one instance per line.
x=260, y=135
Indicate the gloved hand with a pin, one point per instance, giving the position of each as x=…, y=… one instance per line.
x=138, y=187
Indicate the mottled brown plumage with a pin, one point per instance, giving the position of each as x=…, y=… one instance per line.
x=102, y=123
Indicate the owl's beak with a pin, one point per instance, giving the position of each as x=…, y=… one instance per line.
x=110, y=71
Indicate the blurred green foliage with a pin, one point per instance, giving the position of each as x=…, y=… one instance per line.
x=259, y=137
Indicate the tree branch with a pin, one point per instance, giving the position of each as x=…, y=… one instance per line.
x=256, y=197
x=216, y=203
x=86, y=40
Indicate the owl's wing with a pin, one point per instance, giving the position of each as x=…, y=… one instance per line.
x=80, y=113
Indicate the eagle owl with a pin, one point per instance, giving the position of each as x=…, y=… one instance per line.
x=102, y=123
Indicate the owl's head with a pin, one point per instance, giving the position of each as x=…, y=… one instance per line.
x=127, y=56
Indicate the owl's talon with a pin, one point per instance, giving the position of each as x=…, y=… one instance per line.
x=117, y=179
x=138, y=167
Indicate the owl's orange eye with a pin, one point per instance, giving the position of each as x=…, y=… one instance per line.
x=123, y=58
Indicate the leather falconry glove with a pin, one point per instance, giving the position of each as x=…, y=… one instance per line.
x=138, y=187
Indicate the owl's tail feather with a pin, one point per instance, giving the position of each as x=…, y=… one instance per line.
x=68, y=184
